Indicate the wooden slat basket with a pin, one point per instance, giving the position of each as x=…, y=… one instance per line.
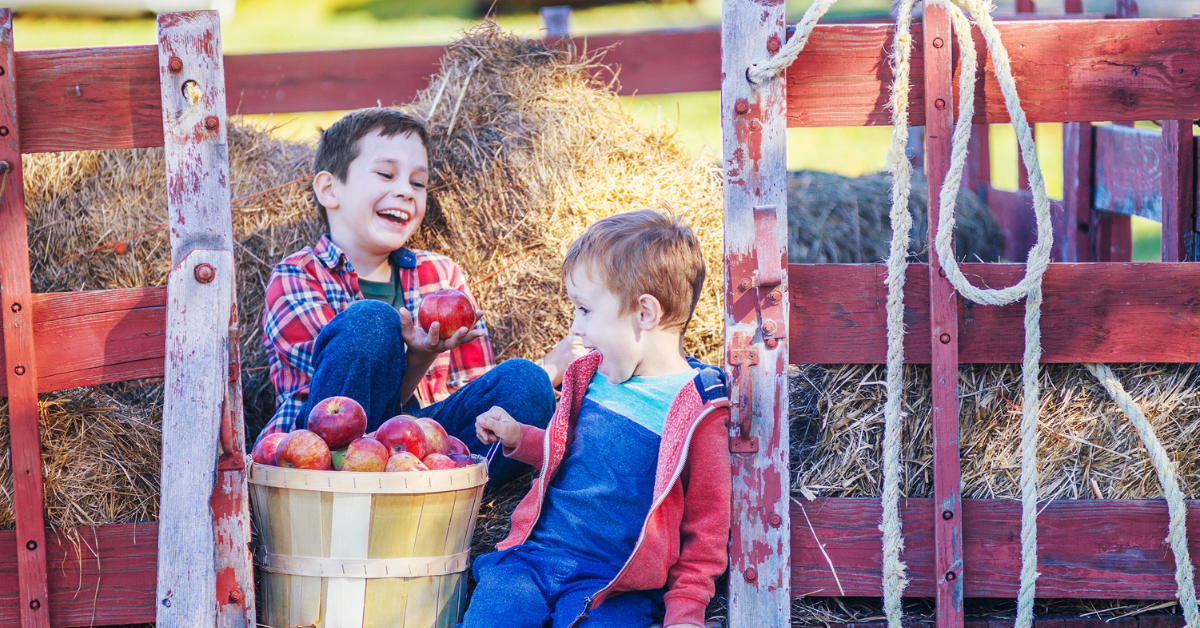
x=364, y=550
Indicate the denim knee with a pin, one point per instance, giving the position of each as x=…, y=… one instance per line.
x=531, y=385
x=368, y=320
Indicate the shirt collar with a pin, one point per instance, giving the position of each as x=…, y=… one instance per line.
x=333, y=257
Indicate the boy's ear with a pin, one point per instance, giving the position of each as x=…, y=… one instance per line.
x=325, y=190
x=650, y=312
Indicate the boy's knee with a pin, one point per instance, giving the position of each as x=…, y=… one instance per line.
x=368, y=322
x=527, y=377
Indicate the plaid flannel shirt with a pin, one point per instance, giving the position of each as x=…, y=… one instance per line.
x=309, y=287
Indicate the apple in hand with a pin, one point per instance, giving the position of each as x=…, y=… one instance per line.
x=435, y=436
x=265, y=448
x=462, y=461
x=451, y=309
x=338, y=420
x=403, y=433
x=302, y=449
x=457, y=446
x=405, y=461
x=439, y=461
x=365, y=454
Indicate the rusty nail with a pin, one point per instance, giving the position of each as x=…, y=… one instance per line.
x=775, y=520
x=771, y=343
x=3, y=131
x=945, y=338
x=741, y=106
x=947, y=515
x=773, y=44
x=19, y=370
x=35, y=604
x=750, y=574
x=166, y=602
x=768, y=328
x=743, y=285
x=942, y=273
x=951, y=576
x=176, y=65
x=211, y=123
x=940, y=104
x=5, y=166
x=16, y=307
x=205, y=273
x=236, y=596
x=938, y=42
x=776, y=296
x=31, y=546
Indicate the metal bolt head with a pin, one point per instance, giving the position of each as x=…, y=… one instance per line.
x=951, y=576
x=16, y=307
x=940, y=104
x=938, y=42
x=743, y=285
x=775, y=520
x=773, y=44
x=166, y=602
x=942, y=273
x=31, y=545
x=205, y=273
x=771, y=343
x=751, y=574
x=947, y=515
x=212, y=123
x=175, y=65
x=5, y=166
x=741, y=107
x=776, y=296
x=35, y=604
x=19, y=370
x=945, y=338
x=769, y=328
x=236, y=596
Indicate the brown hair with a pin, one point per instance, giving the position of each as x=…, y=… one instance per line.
x=643, y=252
x=338, y=147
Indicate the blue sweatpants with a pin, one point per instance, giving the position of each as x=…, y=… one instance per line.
x=360, y=354
x=531, y=587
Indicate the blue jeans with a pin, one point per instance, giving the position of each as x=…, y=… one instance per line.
x=360, y=354
x=528, y=587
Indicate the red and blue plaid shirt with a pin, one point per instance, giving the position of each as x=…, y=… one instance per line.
x=309, y=287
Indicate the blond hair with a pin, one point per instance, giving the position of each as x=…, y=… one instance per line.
x=643, y=252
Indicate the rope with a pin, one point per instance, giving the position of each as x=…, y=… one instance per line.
x=1177, y=528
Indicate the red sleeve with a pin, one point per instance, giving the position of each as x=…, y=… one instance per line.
x=704, y=531
x=531, y=449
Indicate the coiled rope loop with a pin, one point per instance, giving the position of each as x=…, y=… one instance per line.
x=1029, y=288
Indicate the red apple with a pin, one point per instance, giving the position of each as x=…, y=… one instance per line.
x=338, y=420
x=405, y=461
x=403, y=433
x=265, y=448
x=435, y=436
x=451, y=309
x=365, y=454
x=462, y=461
x=458, y=447
x=302, y=449
x=439, y=461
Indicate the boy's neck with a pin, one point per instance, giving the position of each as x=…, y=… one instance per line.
x=662, y=355
x=369, y=267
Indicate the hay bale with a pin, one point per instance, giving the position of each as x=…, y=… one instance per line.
x=836, y=219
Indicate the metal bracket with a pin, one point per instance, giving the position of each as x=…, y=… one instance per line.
x=742, y=360
x=230, y=459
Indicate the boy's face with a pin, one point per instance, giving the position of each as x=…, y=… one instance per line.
x=600, y=324
x=382, y=201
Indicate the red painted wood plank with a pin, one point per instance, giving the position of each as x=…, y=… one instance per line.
x=979, y=160
x=1178, y=192
x=1114, y=237
x=1134, y=312
x=1080, y=232
x=97, y=337
x=943, y=328
x=89, y=98
x=1129, y=171
x=21, y=362
x=1090, y=549
x=1066, y=70
x=103, y=576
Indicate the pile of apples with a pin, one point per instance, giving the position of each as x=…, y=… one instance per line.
x=336, y=440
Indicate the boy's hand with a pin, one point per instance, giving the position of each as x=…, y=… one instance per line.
x=496, y=424
x=556, y=361
x=430, y=343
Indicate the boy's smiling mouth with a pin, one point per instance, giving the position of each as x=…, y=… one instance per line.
x=400, y=216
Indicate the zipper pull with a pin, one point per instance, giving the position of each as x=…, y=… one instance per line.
x=583, y=615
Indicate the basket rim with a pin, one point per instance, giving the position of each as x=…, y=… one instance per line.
x=393, y=482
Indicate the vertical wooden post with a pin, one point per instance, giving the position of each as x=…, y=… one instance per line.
x=979, y=161
x=199, y=310
x=1078, y=143
x=1024, y=6
x=943, y=310
x=19, y=357
x=1179, y=196
x=754, y=140
x=1114, y=232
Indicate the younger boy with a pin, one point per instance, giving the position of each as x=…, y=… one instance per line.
x=339, y=315
x=631, y=511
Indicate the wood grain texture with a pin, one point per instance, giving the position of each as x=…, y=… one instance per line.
x=1090, y=549
x=1132, y=312
x=754, y=149
x=1179, y=241
x=1079, y=233
x=1066, y=71
x=20, y=359
x=1129, y=171
x=100, y=576
x=943, y=327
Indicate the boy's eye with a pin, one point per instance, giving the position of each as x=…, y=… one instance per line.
x=386, y=175
x=418, y=184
